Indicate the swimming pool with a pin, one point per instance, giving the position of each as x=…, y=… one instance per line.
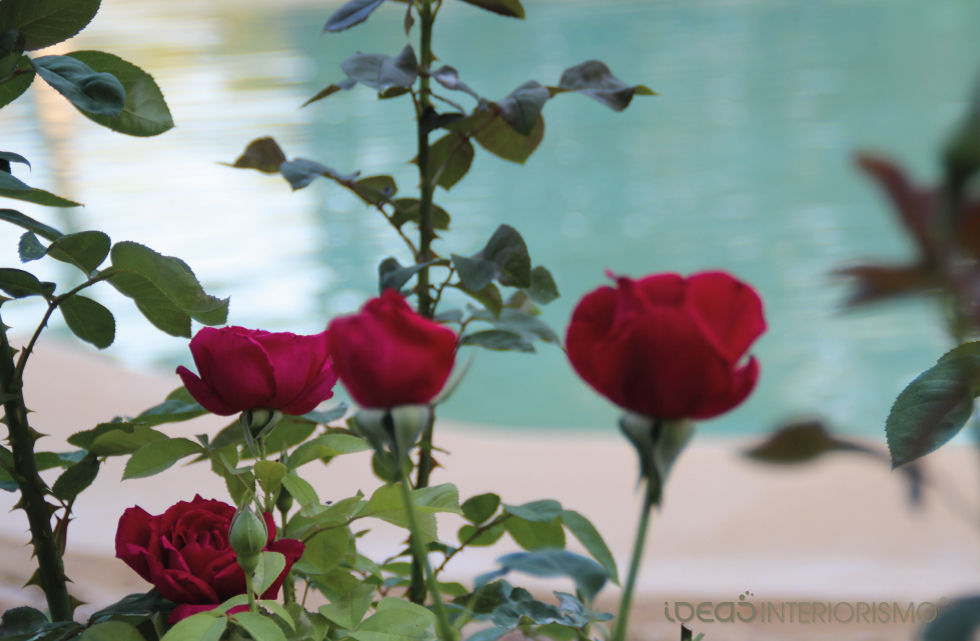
x=743, y=162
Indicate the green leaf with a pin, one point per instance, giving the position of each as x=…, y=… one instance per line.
x=375, y=190
x=343, y=85
x=489, y=296
x=450, y=158
x=324, y=550
x=90, y=91
x=269, y=474
x=480, y=508
x=448, y=77
x=167, y=283
x=348, y=610
x=489, y=536
x=21, y=621
x=509, y=8
x=408, y=210
x=589, y=537
x=271, y=564
x=30, y=248
x=535, y=535
x=86, y=249
x=799, y=442
x=11, y=187
x=179, y=406
x=20, y=284
x=112, y=631
x=89, y=320
x=28, y=223
x=521, y=109
x=543, y=288
x=300, y=490
x=386, y=504
x=16, y=85
x=958, y=620
x=397, y=620
x=493, y=133
x=391, y=274
x=155, y=306
x=935, y=406
x=133, y=605
x=119, y=439
x=328, y=415
x=594, y=79
x=351, y=13
x=145, y=112
x=543, y=511
x=498, y=340
x=588, y=575
x=263, y=154
x=476, y=272
x=389, y=76
x=10, y=157
x=156, y=456
x=259, y=627
x=204, y=626
x=300, y=172
x=43, y=23
x=327, y=446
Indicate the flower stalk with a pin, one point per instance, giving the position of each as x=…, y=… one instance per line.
x=418, y=551
x=626, y=603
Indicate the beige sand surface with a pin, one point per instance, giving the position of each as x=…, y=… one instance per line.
x=837, y=530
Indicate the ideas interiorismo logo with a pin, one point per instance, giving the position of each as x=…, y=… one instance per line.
x=747, y=610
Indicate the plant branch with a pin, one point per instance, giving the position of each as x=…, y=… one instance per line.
x=18, y=375
x=480, y=530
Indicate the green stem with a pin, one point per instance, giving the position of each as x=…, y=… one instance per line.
x=622, y=618
x=418, y=551
x=51, y=569
x=249, y=588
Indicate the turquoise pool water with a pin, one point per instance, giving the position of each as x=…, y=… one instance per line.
x=743, y=162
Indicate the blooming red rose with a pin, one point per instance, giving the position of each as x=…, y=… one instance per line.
x=666, y=346
x=185, y=553
x=387, y=355
x=242, y=369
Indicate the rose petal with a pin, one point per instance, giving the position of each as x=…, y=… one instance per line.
x=202, y=393
x=729, y=310
x=235, y=366
x=742, y=384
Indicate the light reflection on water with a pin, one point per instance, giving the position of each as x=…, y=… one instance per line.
x=742, y=163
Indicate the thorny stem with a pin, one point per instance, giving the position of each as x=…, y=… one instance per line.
x=426, y=235
x=51, y=569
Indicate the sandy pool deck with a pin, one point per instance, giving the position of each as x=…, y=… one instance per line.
x=839, y=529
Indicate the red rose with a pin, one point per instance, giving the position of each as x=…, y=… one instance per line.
x=387, y=355
x=668, y=347
x=242, y=369
x=185, y=553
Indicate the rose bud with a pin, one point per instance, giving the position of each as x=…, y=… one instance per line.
x=247, y=537
x=248, y=369
x=387, y=355
x=668, y=347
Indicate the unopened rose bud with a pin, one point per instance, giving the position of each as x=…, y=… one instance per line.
x=248, y=537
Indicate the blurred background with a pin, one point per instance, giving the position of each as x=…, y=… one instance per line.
x=743, y=163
